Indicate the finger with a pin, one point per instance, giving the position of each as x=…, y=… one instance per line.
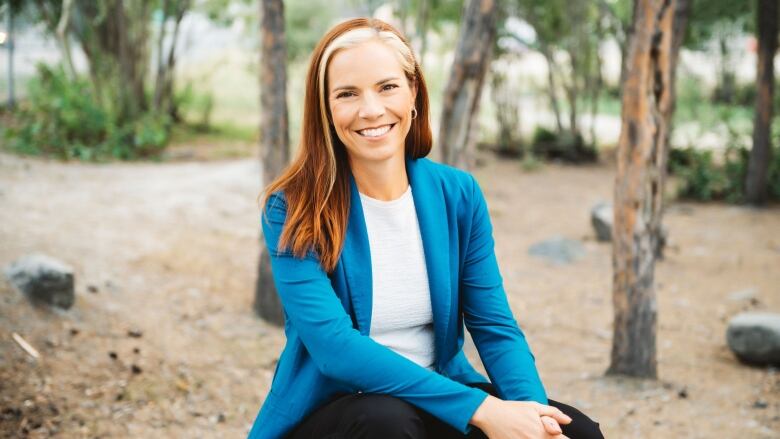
x=553, y=412
x=551, y=425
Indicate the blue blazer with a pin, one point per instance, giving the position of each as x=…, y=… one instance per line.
x=327, y=316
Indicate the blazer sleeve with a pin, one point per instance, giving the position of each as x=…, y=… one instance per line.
x=340, y=351
x=501, y=344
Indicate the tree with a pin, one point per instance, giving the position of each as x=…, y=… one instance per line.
x=648, y=102
x=274, y=137
x=464, y=87
x=760, y=154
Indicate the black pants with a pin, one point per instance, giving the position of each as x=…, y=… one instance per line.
x=371, y=416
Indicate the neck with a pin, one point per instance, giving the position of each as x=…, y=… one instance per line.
x=385, y=180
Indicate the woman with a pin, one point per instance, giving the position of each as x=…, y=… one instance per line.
x=380, y=256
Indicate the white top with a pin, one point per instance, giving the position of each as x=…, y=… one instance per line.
x=401, y=315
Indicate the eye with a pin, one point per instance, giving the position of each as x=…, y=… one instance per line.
x=345, y=94
x=389, y=87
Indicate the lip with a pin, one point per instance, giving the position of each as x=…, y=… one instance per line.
x=372, y=139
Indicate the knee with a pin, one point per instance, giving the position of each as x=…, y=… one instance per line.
x=384, y=416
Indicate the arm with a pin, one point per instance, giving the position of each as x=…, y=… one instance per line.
x=340, y=351
x=500, y=342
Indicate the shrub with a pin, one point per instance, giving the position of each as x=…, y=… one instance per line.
x=62, y=118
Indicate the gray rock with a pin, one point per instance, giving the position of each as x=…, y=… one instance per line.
x=754, y=337
x=601, y=219
x=43, y=279
x=558, y=250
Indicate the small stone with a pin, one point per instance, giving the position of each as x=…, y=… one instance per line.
x=754, y=337
x=601, y=216
x=683, y=393
x=136, y=369
x=74, y=331
x=760, y=404
x=558, y=250
x=136, y=351
x=92, y=289
x=135, y=333
x=43, y=279
x=113, y=355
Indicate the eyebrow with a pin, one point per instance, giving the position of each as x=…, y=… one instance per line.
x=352, y=87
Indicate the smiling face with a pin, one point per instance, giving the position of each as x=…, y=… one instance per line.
x=370, y=101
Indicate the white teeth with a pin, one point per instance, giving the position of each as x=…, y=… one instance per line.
x=375, y=132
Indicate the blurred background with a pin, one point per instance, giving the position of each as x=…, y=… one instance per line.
x=136, y=136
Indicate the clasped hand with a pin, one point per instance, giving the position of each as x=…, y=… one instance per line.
x=500, y=419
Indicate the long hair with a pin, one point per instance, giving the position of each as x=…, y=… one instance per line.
x=316, y=184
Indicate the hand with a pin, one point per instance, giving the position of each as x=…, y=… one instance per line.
x=500, y=419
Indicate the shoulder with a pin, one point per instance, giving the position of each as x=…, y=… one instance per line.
x=459, y=187
x=454, y=181
x=275, y=208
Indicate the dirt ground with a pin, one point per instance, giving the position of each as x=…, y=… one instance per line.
x=162, y=340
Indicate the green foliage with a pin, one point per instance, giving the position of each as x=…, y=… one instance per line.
x=565, y=146
x=62, y=118
x=703, y=178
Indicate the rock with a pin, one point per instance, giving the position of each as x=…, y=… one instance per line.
x=754, y=337
x=601, y=219
x=558, y=250
x=43, y=279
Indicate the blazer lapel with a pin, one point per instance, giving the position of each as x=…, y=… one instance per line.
x=356, y=257
x=434, y=230
x=432, y=218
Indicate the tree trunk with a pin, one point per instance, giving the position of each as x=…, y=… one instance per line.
x=10, y=44
x=760, y=154
x=62, y=37
x=551, y=88
x=160, y=77
x=274, y=137
x=461, y=96
x=422, y=28
x=647, y=105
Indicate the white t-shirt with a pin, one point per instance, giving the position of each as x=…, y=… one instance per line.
x=401, y=315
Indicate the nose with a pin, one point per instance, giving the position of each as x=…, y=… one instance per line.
x=371, y=106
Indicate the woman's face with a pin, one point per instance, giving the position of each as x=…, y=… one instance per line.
x=370, y=101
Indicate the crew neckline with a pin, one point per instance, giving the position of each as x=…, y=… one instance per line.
x=387, y=203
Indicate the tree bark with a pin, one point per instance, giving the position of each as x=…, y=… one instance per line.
x=274, y=138
x=551, y=87
x=62, y=37
x=461, y=96
x=760, y=154
x=647, y=107
x=422, y=28
x=10, y=44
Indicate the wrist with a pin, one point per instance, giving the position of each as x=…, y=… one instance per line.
x=478, y=419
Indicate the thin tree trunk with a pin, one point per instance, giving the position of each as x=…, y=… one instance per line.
x=760, y=154
x=274, y=138
x=10, y=43
x=551, y=87
x=647, y=105
x=62, y=36
x=168, y=90
x=461, y=96
x=422, y=28
x=160, y=77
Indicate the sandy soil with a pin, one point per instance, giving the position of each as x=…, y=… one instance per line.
x=165, y=255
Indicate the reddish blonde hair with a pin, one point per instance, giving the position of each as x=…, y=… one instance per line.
x=316, y=184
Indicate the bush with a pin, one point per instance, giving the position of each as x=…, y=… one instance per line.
x=62, y=118
x=564, y=146
x=704, y=179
